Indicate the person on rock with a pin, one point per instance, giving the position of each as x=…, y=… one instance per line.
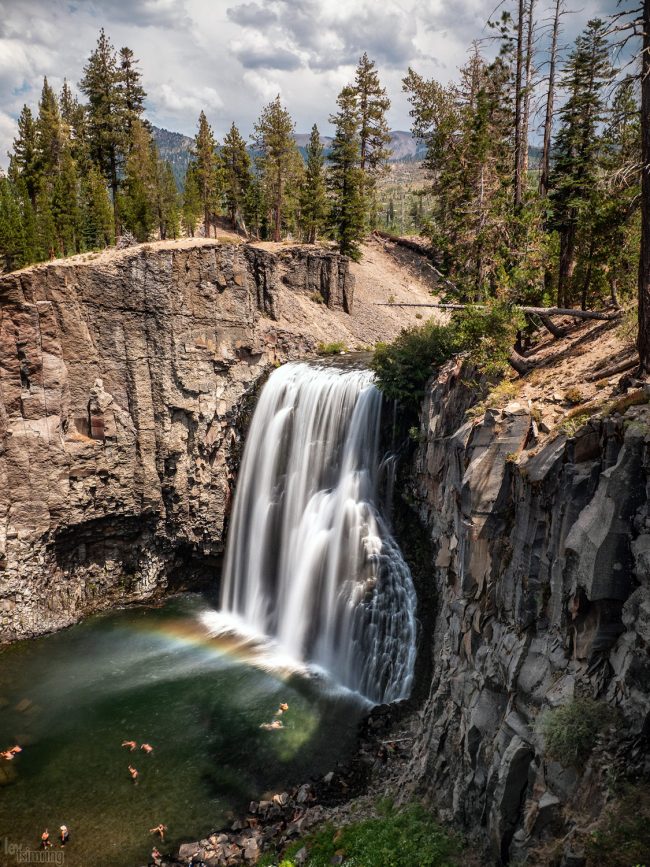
x=147, y=748
x=64, y=835
x=130, y=744
x=160, y=830
x=134, y=774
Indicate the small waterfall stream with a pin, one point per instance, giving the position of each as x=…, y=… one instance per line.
x=310, y=560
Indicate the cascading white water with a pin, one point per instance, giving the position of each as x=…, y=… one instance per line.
x=310, y=560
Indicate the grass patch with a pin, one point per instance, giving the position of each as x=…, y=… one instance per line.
x=570, y=731
x=498, y=397
x=334, y=348
x=398, y=839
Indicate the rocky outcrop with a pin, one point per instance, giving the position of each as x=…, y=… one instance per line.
x=542, y=573
x=124, y=386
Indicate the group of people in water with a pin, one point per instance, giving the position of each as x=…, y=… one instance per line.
x=131, y=746
x=64, y=833
x=276, y=723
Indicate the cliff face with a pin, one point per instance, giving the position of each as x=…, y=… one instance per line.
x=542, y=574
x=124, y=383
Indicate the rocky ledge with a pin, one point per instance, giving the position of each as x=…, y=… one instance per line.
x=125, y=384
x=542, y=579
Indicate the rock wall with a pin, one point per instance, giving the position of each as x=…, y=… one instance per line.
x=542, y=574
x=124, y=386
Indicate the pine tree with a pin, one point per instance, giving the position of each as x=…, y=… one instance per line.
x=372, y=104
x=66, y=211
x=573, y=179
x=138, y=207
x=106, y=134
x=131, y=90
x=279, y=163
x=192, y=206
x=96, y=211
x=313, y=192
x=23, y=162
x=167, y=199
x=256, y=208
x=13, y=247
x=73, y=116
x=206, y=171
x=346, y=177
x=50, y=137
x=236, y=174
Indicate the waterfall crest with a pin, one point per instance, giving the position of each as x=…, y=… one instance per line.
x=310, y=560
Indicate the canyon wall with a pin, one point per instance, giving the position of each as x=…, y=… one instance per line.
x=125, y=381
x=542, y=577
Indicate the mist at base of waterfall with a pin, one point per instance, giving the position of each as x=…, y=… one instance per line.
x=170, y=677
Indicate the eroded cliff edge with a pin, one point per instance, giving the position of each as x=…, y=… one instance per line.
x=124, y=384
x=542, y=576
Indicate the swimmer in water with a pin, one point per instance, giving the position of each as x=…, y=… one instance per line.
x=134, y=774
x=276, y=724
x=64, y=835
x=160, y=830
x=130, y=744
x=147, y=748
x=45, y=839
x=282, y=709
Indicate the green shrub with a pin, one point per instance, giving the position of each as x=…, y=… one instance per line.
x=403, y=367
x=398, y=839
x=570, y=731
x=334, y=348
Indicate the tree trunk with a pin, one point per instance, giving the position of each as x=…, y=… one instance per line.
x=567, y=264
x=548, y=323
x=114, y=191
x=518, y=94
x=528, y=92
x=545, y=168
x=587, y=281
x=643, y=340
x=518, y=363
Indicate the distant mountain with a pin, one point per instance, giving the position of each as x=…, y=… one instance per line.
x=175, y=148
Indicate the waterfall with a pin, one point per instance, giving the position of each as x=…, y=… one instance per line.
x=310, y=561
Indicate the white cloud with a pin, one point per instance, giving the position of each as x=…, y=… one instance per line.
x=230, y=57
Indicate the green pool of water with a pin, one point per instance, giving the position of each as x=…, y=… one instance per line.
x=156, y=676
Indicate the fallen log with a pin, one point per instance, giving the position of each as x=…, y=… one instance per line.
x=613, y=370
x=540, y=311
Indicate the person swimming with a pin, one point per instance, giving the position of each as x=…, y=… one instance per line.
x=134, y=774
x=282, y=709
x=64, y=835
x=130, y=744
x=45, y=839
x=160, y=830
x=147, y=748
x=9, y=754
x=276, y=724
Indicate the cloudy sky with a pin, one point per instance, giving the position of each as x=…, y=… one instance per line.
x=230, y=57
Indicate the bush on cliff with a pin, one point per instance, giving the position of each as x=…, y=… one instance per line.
x=486, y=334
x=570, y=731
